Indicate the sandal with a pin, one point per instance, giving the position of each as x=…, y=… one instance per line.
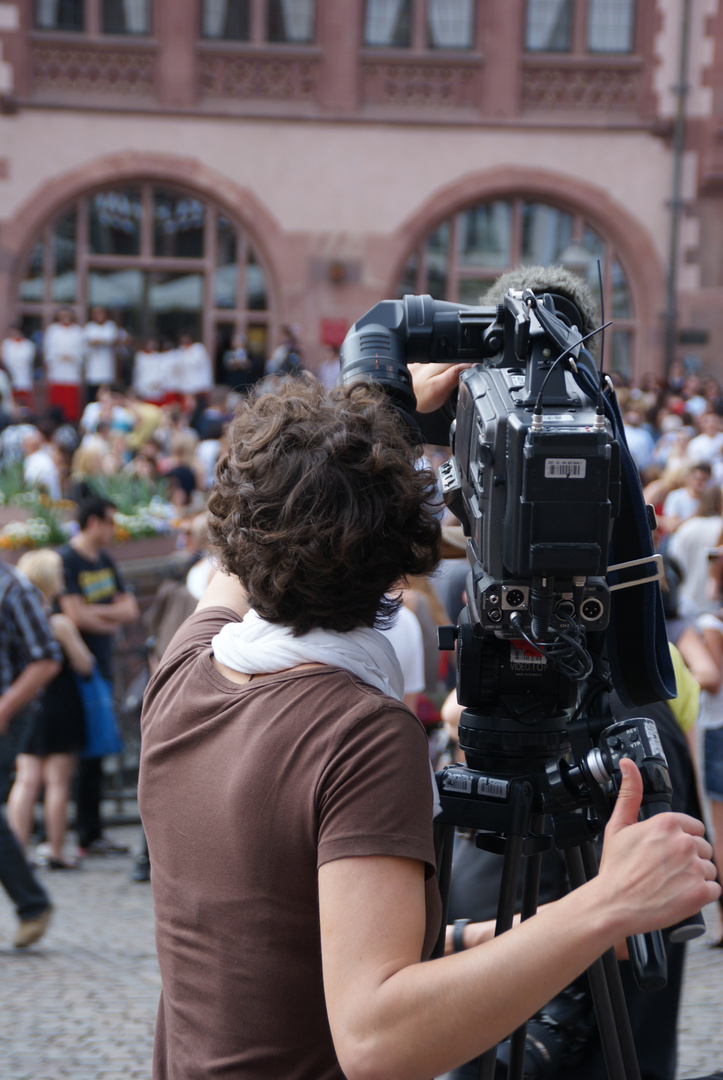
x=63, y=864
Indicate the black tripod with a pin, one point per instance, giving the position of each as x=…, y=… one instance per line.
x=522, y=786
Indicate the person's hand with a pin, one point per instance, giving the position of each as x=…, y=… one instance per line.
x=433, y=383
x=656, y=872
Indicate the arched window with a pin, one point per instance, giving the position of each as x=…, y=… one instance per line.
x=464, y=254
x=160, y=260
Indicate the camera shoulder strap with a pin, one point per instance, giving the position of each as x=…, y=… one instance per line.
x=637, y=641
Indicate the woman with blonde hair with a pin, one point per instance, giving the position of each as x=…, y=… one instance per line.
x=56, y=732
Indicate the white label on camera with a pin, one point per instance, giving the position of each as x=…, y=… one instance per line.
x=492, y=787
x=565, y=468
x=559, y=418
x=457, y=781
x=522, y=661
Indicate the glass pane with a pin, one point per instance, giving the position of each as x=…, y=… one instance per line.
x=115, y=222
x=622, y=353
x=472, y=291
x=126, y=17
x=227, y=19
x=438, y=262
x=451, y=24
x=549, y=25
x=121, y=293
x=226, y=277
x=32, y=285
x=387, y=23
x=484, y=235
x=63, y=286
x=178, y=226
x=256, y=294
x=409, y=281
x=622, y=304
x=546, y=232
x=291, y=21
x=59, y=15
x=175, y=302
x=610, y=25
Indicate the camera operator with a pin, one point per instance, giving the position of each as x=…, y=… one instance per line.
x=286, y=792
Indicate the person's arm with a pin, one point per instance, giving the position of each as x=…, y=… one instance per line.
x=79, y=656
x=99, y=618
x=393, y=1016
x=224, y=590
x=703, y=664
x=34, y=678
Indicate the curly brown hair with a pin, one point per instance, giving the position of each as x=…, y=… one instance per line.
x=319, y=509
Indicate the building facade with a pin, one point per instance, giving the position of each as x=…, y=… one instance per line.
x=210, y=166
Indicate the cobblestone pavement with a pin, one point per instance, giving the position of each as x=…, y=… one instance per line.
x=81, y=1003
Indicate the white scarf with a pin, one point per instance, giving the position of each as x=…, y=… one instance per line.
x=256, y=647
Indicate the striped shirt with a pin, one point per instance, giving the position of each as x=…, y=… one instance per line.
x=25, y=635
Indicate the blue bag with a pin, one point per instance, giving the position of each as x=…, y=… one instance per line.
x=101, y=730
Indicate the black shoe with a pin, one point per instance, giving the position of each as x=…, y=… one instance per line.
x=142, y=868
x=103, y=846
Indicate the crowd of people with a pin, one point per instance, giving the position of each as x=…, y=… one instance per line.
x=267, y=512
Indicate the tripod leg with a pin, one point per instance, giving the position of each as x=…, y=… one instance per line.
x=505, y=914
x=530, y=894
x=444, y=850
x=611, y=1012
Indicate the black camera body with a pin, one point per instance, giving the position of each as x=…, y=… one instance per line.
x=537, y=504
x=534, y=475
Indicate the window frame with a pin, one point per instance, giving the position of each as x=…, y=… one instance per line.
x=457, y=274
x=420, y=33
x=241, y=316
x=580, y=21
x=258, y=28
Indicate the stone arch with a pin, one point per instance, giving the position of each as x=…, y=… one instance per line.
x=54, y=195
x=637, y=253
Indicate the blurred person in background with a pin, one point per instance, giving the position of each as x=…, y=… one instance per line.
x=17, y=353
x=148, y=373
x=96, y=600
x=41, y=468
x=30, y=658
x=48, y=753
x=100, y=336
x=63, y=351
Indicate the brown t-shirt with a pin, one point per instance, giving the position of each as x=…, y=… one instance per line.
x=245, y=790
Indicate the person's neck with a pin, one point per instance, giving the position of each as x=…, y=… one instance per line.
x=86, y=546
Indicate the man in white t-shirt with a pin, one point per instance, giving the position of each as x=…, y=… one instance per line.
x=708, y=445
x=40, y=469
x=63, y=349
x=18, y=354
x=99, y=338
x=148, y=373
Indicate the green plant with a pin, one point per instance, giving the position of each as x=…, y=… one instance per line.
x=12, y=481
x=128, y=493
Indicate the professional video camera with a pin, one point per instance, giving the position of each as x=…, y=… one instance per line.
x=537, y=478
x=550, y=502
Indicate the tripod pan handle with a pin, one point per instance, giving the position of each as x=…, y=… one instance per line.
x=687, y=930
x=650, y=964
